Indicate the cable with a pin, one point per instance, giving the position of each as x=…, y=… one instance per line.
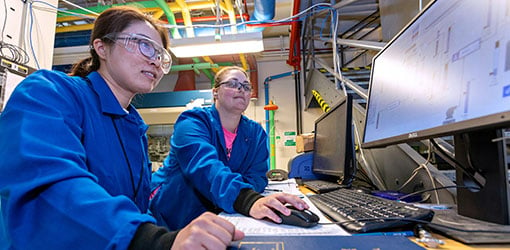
x=415, y=221
x=472, y=173
x=11, y=51
x=30, y=36
x=433, y=189
x=365, y=178
x=5, y=20
x=364, y=160
x=424, y=166
x=79, y=7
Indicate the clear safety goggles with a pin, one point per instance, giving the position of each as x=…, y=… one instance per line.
x=235, y=84
x=149, y=48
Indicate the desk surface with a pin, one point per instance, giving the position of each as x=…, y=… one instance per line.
x=450, y=244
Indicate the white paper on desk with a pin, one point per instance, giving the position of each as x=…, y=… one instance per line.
x=287, y=186
x=254, y=227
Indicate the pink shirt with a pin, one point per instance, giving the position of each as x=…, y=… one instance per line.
x=229, y=140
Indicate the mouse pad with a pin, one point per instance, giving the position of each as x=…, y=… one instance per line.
x=324, y=243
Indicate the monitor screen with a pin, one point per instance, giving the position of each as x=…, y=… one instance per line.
x=333, y=154
x=446, y=72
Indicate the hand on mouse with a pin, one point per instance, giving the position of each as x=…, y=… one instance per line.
x=208, y=231
x=264, y=207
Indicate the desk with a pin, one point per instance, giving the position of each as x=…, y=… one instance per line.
x=450, y=244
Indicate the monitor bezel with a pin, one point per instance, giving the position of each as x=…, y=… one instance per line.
x=346, y=175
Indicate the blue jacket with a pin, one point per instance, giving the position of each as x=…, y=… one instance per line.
x=65, y=182
x=197, y=176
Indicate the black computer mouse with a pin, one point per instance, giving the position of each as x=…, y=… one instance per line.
x=300, y=218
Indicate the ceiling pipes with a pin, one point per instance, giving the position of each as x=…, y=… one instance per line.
x=264, y=10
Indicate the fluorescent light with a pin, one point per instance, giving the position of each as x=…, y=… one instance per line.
x=209, y=46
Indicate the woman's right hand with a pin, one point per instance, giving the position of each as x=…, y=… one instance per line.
x=208, y=231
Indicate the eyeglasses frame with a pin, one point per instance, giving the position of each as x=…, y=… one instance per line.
x=246, y=85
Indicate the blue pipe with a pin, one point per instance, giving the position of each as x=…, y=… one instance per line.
x=264, y=10
x=266, y=91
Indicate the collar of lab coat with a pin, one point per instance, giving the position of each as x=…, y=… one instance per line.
x=109, y=104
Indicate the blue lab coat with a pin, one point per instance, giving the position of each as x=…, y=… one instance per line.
x=197, y=176
x=65, y=182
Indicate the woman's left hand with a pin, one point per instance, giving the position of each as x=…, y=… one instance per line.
x=265, y=207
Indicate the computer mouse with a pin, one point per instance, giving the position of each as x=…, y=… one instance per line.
x=300, y=218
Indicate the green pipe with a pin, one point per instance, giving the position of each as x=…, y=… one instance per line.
x=272, y=140
x=195, y=66
x=225, y=64
x=170, y=17
x=206, y=71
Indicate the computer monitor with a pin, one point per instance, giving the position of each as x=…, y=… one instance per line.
x=447, y=73
x=333, y=154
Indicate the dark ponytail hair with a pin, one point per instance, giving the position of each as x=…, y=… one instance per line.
x=112, y=20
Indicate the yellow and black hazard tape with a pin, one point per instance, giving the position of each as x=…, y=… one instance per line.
x=322, y=103
x=356, y=68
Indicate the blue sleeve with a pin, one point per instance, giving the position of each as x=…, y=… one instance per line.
x=196, y=147
x=49, y=200
x=255, y=173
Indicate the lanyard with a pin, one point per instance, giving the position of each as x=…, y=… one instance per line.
x=137, y=187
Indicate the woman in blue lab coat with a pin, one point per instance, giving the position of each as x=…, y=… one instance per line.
x=217, y=161
x=74, y=165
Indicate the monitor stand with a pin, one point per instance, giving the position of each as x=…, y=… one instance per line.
x=450, y=218
x=484, y=152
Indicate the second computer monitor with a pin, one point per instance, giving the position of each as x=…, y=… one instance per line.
x=333, y=155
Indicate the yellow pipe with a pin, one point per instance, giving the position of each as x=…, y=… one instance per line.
x=243, y=62
x=186, y=16
x=201, y=5
x=74, y=28
x=231, y=15
x=209, y=60
x=74, y=18
x=158, y=14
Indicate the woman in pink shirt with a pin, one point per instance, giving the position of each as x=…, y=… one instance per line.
x=218, y=160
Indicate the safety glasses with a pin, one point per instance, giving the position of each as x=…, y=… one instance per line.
x=149, y=48
x=235, y=84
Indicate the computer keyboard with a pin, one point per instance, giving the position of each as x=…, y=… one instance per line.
x=321, y=186
x=364, y=212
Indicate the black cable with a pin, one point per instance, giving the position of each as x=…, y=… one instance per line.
x=469, y=171
x=434, y=189
x=415, y=221
x=137, y=188
x=363, y=177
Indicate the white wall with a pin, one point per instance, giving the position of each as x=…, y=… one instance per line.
x=282, y=92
